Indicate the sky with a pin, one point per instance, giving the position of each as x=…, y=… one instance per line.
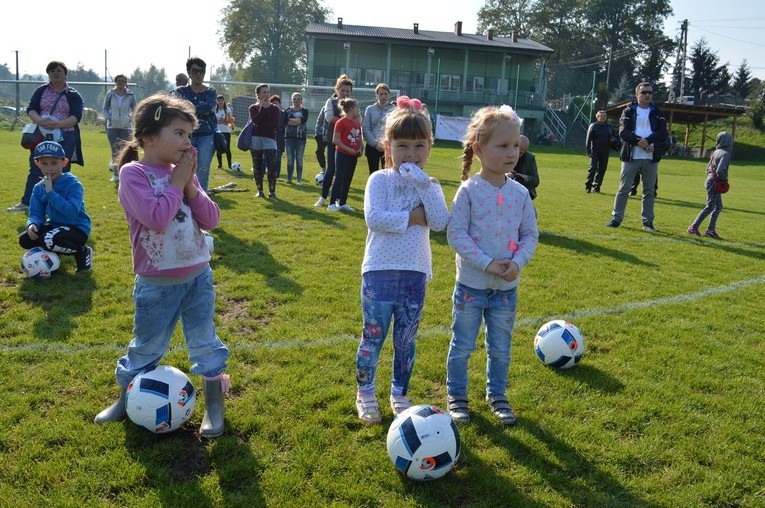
x=166, y=33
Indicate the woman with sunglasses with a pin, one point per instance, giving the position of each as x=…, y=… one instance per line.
x=205, y=99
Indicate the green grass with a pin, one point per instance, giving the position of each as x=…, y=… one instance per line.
x=666, y=409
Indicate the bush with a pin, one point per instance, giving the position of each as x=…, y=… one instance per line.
x=756, y=112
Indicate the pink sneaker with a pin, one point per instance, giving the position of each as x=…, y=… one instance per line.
x=693, y=231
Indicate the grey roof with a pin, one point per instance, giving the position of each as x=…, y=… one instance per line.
x=426, y=37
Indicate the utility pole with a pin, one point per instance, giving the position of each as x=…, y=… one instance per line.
x=682, y=43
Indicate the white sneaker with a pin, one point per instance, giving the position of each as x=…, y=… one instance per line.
x=320, y=202
x=115, y=177
x=333, y=208
x=367, y=408
x=20, y=207
x=347, y=208
x=399, y=403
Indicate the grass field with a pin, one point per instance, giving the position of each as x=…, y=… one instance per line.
x=666, y=409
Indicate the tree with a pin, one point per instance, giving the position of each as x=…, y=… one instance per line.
x=742, y=81
x=633, y=32
x=267, y=37
x=149, y=82
x=707, y=77
x=504, y=16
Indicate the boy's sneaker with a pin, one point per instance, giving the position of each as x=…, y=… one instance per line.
x=711, y=233
x=399, y=403
x=115, y=177
x=613, y=224
x=367, y=408
x=20, y=207
x=332, y=208
x=84, y=261
x=347, y=208
x=693, y=231
x=648, y=226
x=320, y=202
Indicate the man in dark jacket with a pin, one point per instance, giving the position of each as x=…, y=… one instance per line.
x=525, y=171
x=600, y=138
x=642, y=129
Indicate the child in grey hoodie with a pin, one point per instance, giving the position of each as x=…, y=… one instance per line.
x=716, y=169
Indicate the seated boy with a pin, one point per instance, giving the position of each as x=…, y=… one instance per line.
x=57, y=219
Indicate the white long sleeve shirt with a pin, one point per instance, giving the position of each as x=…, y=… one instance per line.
x=392, y=244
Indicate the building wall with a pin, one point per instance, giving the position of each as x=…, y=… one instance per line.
x=467, y=78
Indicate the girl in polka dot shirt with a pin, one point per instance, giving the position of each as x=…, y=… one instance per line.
x=401, y=205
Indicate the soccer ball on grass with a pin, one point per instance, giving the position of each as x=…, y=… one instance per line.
x=319, y=178
x=559, y=344
x=38, y=263
x=160, y=399
x=423, y=443
x=236, y=167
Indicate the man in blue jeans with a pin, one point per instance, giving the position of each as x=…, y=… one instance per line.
x=643, y=129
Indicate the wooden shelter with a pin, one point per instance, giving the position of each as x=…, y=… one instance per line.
x=688, y=114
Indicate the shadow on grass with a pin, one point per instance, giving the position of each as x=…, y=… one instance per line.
x=178, y=465
x=585, y=247
x=571, y=475
x=252, y=256
x=699, y=205
x=62, y=298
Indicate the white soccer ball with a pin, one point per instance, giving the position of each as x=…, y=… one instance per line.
x=236, y=166
x=38, y=263
x=559, y=344
x=423, y=443
x=319, y=178
x=210, y=242
x=160, y=399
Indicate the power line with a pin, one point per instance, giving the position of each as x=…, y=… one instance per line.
x=726, y=37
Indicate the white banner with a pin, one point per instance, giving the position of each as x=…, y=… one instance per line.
x=452, y=128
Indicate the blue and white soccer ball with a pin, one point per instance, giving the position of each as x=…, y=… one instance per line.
x=38, y=263
x=319, y=178
x=236, y=167
x=160, y=399
x=559, y=344
x=423, y=443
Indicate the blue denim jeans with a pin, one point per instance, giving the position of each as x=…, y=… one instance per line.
x=157, y=310
x=386, y=294
x=471, y=306
x=714, y=206
x=205, y=145
x=295, y=149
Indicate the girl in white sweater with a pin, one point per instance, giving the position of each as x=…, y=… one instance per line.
x=401, y=205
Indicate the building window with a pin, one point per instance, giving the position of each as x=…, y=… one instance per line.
x=476, y=84
x=374, y=76
x=450, y=82
x=419, y=80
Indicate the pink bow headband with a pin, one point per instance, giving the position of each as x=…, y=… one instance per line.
x=406, y=102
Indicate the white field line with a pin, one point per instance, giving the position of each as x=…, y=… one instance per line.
x=429, y=332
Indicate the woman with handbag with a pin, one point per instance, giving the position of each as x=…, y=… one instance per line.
x=56, y=108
